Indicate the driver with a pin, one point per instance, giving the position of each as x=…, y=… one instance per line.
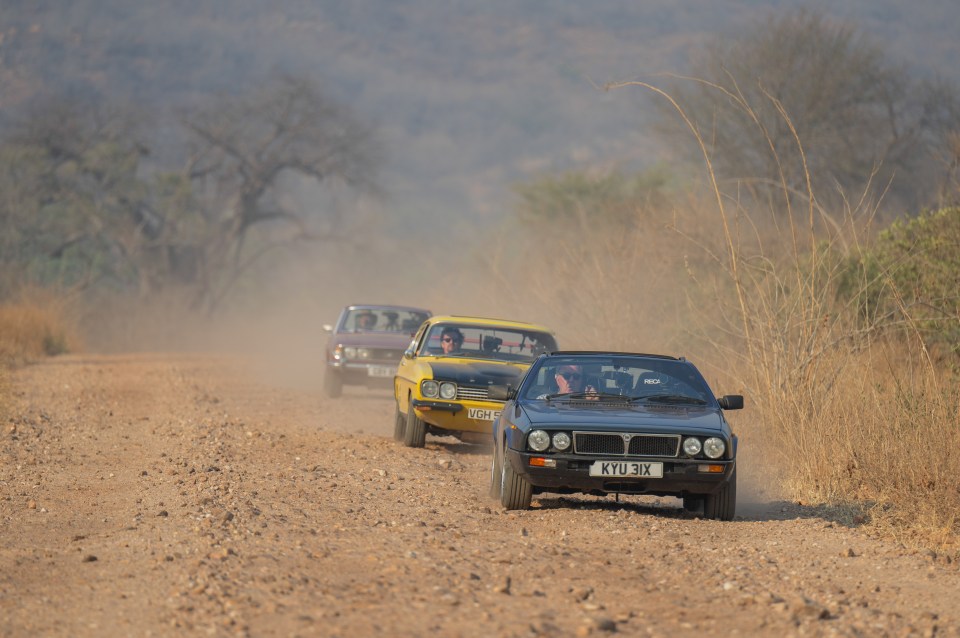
x=450, y=340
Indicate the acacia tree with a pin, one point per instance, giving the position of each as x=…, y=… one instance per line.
x=858, y=116
x=247, y=149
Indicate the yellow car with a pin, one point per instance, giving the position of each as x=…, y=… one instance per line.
x=442, y=381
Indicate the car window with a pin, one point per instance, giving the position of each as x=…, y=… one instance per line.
x=639, y=378
x=382, y=320
x=488, y=342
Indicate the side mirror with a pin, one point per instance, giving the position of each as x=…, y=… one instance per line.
x=408, y=353
x=327, y=327
x=731, y=402
x=501, y=392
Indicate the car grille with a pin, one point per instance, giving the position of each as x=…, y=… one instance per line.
x=635, y=445
x=473, y=394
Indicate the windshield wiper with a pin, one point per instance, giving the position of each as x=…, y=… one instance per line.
x=587, y=395
x=670, y=398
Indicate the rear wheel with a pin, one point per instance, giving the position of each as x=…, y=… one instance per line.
x=332, y=384
x=693, y=503
x=399, y=421
x=515, y=491
x=415, y=430
x=721, y=505
x=495, y=473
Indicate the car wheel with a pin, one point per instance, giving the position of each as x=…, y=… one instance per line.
x=515, y=491
x=721, y=505
x=415, y=430
x=496, y=477
x=332, y=384
x=693, y=503
x=399, y=421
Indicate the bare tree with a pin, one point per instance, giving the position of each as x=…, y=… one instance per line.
x=249, y=146
x=858, y=116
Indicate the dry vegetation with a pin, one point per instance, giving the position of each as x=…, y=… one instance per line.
x=33, y=325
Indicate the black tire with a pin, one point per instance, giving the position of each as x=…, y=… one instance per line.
x=515, y=491
x=399, y=425
x=722, y=505
x=332, y=384
x=496, y=474
x=415, y=430
x=693, y=503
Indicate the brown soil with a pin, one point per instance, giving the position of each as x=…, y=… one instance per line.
x=180, y=495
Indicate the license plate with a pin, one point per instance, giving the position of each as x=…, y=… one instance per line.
x=380, y=371
x=627, y=468
x=481, y=414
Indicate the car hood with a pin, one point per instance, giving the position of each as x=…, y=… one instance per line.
x=393, y=340
x=602, y=416
x=477, y=372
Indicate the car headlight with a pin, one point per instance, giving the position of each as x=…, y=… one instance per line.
x=691, y=446
x=448, y=391
x=561, y=441
x=363, y=353
x=538, y=440
x=714, y=447
x=430, y=388
x=349, y=352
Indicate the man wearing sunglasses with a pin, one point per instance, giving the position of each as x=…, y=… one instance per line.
x=570, y=379
x=450, y=340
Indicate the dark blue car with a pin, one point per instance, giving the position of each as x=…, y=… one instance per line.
x=615, y=423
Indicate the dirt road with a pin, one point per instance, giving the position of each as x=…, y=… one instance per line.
x=151, y=495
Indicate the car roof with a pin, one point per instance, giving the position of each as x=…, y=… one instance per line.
x=464, y=320
x=610, y=353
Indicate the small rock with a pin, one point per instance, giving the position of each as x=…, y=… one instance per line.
x=605, y=624
x=89, y=558
x=31, y=504
x=505, y=588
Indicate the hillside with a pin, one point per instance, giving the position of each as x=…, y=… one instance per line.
x=469, y=97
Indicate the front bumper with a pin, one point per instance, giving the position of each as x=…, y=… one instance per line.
x=370, y=373
x=681, y=477
x=458, y=416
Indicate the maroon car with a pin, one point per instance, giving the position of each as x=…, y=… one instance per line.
x=366, y=344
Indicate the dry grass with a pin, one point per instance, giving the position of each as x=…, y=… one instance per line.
x=33, y=326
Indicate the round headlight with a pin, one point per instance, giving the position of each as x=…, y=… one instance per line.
x=363, y=353
x=538, y=440
x=561, y=441
x=350, y=352
x=714, y=447
x=691, y=446
x=430, y=388
x=448, y=391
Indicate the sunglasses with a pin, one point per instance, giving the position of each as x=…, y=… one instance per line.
x=448, y=340
x=569, y=376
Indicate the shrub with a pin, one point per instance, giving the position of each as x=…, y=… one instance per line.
x=34, y=326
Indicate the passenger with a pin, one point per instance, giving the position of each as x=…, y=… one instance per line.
x=450, y=340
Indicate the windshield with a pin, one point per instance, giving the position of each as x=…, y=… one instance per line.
x=486, y=342
x=382, y=320
x=637, y=379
